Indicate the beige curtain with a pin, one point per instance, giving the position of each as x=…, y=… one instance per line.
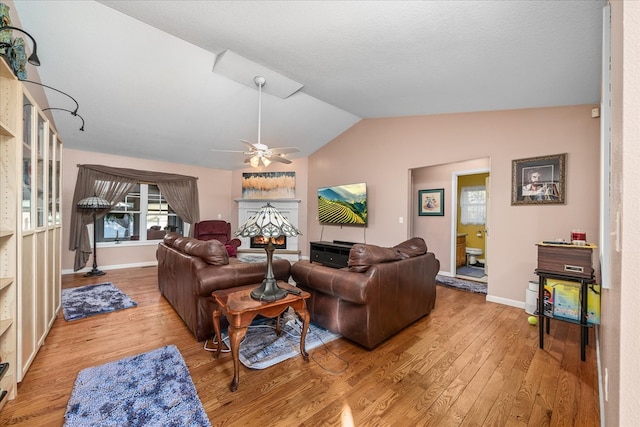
x=113, y=184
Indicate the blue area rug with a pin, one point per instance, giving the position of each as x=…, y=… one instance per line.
x=470, y=271
x=85, y=301
x=261, y=347
x=465, y=285
x=150, y=389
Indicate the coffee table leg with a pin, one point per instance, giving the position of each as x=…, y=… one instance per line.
x=216, y=329
x=305, y=327
x=235, y=338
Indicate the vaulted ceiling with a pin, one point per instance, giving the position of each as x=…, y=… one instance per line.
x=143, y=71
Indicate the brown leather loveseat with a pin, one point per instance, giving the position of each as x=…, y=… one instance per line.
x=189, y=270
x=382, y=291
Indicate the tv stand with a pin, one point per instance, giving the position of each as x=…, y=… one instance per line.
x=334, y=254
x=340, y=242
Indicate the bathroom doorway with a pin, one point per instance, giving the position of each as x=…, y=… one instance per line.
x=470, y=227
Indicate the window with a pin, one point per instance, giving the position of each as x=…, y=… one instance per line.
x=144, y=214
x=473, y=205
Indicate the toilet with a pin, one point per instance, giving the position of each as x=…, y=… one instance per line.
x=472, y=254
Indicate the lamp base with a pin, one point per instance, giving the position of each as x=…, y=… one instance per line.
x=269, y=291
x=95, y=272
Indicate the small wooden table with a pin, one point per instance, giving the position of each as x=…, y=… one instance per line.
x=240, y=309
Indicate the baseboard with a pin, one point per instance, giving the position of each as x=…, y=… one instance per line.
x=113, y=267
x=506, y=301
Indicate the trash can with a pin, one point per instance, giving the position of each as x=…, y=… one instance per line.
x=531, y=298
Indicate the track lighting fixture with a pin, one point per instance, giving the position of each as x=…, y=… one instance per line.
x=73, y=113
x=33, y=58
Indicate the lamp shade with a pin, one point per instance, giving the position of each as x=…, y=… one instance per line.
x=267, y=222
x=93, y=202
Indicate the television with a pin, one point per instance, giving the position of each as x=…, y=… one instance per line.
x=343, y=204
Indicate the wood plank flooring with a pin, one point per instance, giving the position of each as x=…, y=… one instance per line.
x=469, y=363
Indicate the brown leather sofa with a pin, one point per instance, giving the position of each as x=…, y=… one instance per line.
x=189, y=270
x=382, y=291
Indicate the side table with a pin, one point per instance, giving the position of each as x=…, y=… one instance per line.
x=240, y=309
x=542, y=317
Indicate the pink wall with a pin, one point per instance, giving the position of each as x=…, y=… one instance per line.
x=214, y=188
x=382, y=152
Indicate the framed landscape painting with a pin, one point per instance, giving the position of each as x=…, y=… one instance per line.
x=431, y=202
x=538, y=180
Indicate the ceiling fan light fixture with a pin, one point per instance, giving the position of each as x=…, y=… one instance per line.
x=266, y=161
x=254, y=161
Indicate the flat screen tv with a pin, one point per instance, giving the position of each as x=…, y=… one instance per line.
x=343, y=204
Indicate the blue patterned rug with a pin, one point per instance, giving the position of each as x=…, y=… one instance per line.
x=261, y=347
x=465, y=285
x=470, y=271
x=150, y=389
x=85, y=301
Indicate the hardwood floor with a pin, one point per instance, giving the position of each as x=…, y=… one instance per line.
x=469, y=363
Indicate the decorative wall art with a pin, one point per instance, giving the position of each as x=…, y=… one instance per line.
x=431, y=202
x=538, y=180
x=268, y=185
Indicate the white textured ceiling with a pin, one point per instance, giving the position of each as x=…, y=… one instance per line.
x=142, y=70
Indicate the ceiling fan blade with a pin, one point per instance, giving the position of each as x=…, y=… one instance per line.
x=227, y=151
x=285, y=150
x=279, y=159
x=250, y=145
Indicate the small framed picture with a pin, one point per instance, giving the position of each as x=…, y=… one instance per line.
x=538, y=180
x=431, y=202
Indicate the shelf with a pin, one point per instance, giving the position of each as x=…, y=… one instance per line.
x=6, y=233
x=4, y=325
x=564, y=319
x=5, y=130
x=7, y=386
x=5, y=281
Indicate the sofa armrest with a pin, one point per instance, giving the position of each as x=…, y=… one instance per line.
x=340, y=283
x=235, y=243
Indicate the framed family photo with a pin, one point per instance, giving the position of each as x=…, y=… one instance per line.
x=431, y=202
x=538, y=180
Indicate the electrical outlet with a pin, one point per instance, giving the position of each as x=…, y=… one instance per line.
x=401, y=220
x=595, y=112
x=219, y=216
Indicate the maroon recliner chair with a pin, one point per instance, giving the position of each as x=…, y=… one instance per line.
x=219, y=230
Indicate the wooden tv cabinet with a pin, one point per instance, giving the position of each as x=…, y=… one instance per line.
x=332, y=254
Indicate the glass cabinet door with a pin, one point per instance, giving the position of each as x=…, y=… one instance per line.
x=40, y=173
x=58, y=180
x=27, y=222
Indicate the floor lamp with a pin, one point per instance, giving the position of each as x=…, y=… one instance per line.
x=94, y=203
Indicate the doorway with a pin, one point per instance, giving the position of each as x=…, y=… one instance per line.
x=470, y=226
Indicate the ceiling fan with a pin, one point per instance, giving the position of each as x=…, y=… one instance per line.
x=259, y=152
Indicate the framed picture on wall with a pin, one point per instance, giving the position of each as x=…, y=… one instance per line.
x=431, y=202
x=538, y=180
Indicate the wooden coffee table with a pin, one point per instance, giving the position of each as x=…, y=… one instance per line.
x=240, y=309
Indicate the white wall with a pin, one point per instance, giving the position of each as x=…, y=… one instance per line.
x=620, y=314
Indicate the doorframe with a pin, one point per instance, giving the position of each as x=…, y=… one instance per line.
x=454, y=212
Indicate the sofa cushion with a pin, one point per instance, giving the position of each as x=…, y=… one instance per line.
x=412, y=247
x=170, y=238
x=210, y=251
x=363, y=256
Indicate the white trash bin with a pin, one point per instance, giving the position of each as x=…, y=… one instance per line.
x=531, y=299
